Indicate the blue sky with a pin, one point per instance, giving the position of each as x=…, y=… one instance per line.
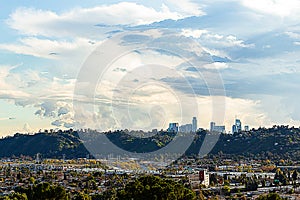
x=253, y=45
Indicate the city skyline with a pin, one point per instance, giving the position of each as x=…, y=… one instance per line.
x=43, y=48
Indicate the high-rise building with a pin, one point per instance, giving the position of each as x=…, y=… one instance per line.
x=186, y=128
x=246, y=128
x=194, y=124
x=173, y=127
x=234, y=129
x=212, y=125
x=237, y=127
x=215, y=128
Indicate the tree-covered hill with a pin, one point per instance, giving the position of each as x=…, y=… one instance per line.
x=47, y=144
x=276, y=143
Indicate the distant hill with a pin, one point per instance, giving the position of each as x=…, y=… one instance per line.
x=49, y=145
x=279, y=142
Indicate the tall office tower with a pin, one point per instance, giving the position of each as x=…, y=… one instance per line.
x=212, y=126
x=234, y=129
x=238, y=125
x=194, y=124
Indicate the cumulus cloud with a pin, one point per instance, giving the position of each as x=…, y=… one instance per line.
x=293, y=35
x=216, y=40
x=57, y=123
x=9, y=89
x=51, y=49
x=280, y=8
x=216, y=65
x=63, y=111
x=82, y=21
x=187, y=7
x=47, y=109
x=68, y=37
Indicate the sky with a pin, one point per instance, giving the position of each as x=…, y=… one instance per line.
x=214, y=59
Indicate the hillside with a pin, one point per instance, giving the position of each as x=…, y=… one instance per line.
x=279, y=142
x=49, y=145
x=273, y=143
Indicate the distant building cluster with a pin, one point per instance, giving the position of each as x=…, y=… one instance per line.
x=237, y=127
x=188, y=128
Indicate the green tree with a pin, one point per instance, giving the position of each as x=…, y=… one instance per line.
x=32, y=180
x=295, y=176
x=15, y=196
x=155, y=188
x=271, y=196
x=44, y=191
x=81, y=196
x=281, y=177
x=251, y=184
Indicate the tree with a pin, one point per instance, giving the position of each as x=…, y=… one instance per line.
x=281, y=177
x=15, y=196
x=81, y=196
x=226, y=190
x=251, y=184
x=271, y=196
x=153, y=187
x=44, y=191
x=295, y=176
x=32, y=180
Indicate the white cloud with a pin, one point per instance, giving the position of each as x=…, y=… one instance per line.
x=282, y=8
x=216, y=65
x=9, y=89
x=217, y=40
x=248, y=111
x=187, y=7
x=193, y=33
x=51, y=49
x=63, y=111
x=297, y=43
x=293, y=35
x=82, y=21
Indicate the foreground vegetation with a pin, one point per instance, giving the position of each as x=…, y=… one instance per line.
x=145, y=187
